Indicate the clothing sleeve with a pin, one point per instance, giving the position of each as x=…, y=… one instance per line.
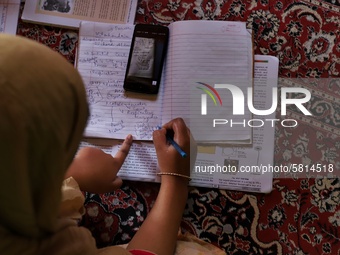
x=72, y=207
x=72, y=200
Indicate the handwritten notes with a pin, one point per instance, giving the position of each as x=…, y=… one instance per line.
x=102, y=59
x=212, y=52
x=142, y=57
x=9, y=13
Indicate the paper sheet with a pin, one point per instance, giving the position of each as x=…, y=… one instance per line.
x=9, y=14
x=249, y=159
x=200, y=52
x=102, y=59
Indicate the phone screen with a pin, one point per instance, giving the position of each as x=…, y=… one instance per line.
x=142, y=58
x=147, y=54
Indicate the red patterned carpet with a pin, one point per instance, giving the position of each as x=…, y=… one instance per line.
x=301, y=215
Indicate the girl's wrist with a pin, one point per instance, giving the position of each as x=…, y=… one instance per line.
x=186, y=177
x=174, y=182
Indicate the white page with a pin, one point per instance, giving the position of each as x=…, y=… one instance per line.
x=102, y=59
x=9, y=14
x=211, y=52
x=260, y=154
x=139, y=165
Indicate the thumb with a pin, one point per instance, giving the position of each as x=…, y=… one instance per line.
x=159, y=138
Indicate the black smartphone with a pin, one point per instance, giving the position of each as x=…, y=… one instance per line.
x=146, y=58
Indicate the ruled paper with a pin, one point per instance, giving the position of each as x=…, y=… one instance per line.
x=212, y=53
x=102, y=59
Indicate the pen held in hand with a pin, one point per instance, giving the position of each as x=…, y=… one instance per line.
x=175, y=145
x=179, y=149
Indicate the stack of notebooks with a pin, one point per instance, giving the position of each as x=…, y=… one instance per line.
x=202, y=57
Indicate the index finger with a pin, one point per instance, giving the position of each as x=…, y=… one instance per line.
x=123, y=151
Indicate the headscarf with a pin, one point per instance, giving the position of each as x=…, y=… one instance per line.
x=43, y=112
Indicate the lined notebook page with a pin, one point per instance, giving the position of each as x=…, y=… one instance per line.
x=102, y=59
x=210, y=52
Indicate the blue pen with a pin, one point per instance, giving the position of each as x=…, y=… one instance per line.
x=176, y=146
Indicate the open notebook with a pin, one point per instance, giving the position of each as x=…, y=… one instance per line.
x=199, y=53
x=243, y=167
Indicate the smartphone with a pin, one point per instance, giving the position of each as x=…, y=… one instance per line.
x=146, y=58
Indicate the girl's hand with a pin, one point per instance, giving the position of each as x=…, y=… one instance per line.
x=96, y=171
